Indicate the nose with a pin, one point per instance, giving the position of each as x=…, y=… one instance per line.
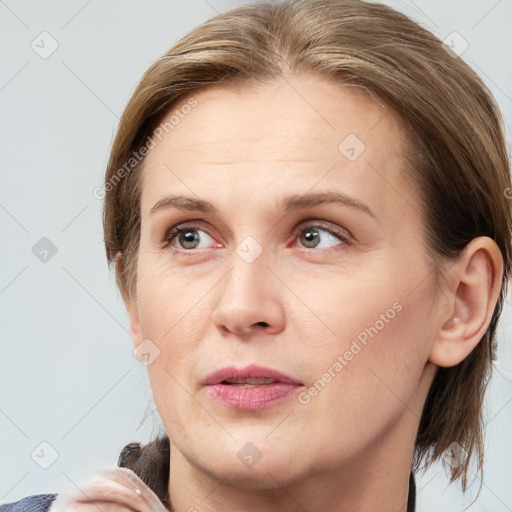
x=250, y=299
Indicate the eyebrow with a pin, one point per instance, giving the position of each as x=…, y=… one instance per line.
x=289, y=203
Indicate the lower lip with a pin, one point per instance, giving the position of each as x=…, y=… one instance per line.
x=256, y=397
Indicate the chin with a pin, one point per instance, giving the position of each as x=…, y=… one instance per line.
x=267, y=474
x=261, y=464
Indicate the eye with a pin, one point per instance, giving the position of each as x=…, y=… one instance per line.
x=311, y=236
x=188, y=237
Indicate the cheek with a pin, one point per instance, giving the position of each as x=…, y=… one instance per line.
x=173, y=316
x=365, y=380
x=168, y=298
x=375, y=308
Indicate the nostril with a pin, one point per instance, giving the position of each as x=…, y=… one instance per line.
x=262, y=324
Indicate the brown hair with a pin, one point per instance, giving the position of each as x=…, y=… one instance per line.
x=151, y=464
x=456, y=147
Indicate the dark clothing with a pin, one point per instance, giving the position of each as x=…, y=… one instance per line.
x=160, y=468
x=35, y=503
x=411, y=501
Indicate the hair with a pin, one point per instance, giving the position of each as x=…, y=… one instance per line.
x=151, y=464
x=455, y=147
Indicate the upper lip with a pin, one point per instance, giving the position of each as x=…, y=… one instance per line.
x=252, y=371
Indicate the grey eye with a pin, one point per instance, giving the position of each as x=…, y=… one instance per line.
x=311, y=237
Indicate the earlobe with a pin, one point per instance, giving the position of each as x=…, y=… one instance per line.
x=131, y=307
x=475, y=283
x=134, y=324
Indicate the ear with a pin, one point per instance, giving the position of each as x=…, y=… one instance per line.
x=130, y=304
x=473, y=286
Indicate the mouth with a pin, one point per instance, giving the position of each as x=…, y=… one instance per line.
x=252, y=387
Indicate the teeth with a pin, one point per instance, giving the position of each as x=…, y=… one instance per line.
x=259, y=381
x=250, y=382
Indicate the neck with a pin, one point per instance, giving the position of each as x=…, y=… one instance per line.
x=358, y=492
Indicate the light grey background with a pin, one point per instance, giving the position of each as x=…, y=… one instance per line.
x=68, y=376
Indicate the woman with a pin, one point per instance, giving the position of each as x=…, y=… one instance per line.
x=307, y=209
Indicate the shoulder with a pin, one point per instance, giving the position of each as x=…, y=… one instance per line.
x=35, y=503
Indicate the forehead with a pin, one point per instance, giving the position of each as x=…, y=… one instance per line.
x=296, y=110
x=293, y=132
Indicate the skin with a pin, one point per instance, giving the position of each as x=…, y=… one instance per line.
x=351, y=446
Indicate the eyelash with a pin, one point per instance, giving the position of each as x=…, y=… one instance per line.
x=339, y=233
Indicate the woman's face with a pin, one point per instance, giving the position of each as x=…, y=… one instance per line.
x=337, y=295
